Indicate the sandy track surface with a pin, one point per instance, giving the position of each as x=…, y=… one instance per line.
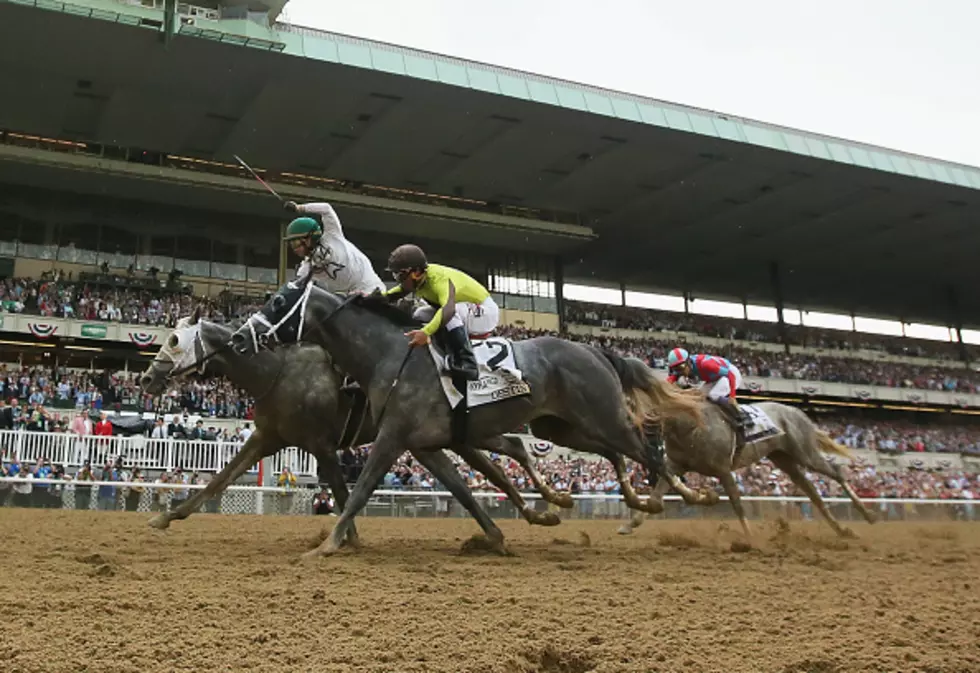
x=91, y=591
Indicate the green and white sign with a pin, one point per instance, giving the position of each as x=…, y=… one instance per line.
x=94, y=331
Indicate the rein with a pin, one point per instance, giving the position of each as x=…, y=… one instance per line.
x=301, y=307
x=201, y=365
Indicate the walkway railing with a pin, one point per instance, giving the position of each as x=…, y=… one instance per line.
x=137, y=451
x=149, y=497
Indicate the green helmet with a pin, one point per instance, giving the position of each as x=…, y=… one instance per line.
x=303, y=226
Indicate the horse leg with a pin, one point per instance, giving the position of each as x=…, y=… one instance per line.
x=252, y=452
x=788, y=464
x=443, y=469
x=812, y=459
x=633, y=501
x=727, y=480
x=514, y=448
x=656, y=495
x=329, y=470
x=381, y=457
x=480, y=462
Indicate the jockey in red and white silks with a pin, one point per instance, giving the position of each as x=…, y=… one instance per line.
x=721, y=378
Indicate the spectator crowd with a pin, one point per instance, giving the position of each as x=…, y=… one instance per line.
x=55, y=296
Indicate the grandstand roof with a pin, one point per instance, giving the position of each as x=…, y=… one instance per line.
x=273, y=7
x=680, y=198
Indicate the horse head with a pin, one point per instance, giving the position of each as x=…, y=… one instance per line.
x=283, y=317
x=181, y=352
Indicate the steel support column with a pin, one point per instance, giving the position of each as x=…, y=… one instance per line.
x=956, y=321
x=560, y=292
x=777, y=293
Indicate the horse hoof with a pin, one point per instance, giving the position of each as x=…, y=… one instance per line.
x=652, y=506
x=482, y=544
x=564, y=500
x=546, y=519
x=636, y=521
x=848, y=533
x=710, y=498
x=625, y=530
x=160, y=522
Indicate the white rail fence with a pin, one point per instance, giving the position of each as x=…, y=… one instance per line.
x=155, y=497
x=137, y=451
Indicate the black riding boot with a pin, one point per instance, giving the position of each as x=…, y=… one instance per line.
x=737, y=420
x=461, y=358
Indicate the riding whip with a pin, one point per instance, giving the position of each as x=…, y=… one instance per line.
x=256, y=176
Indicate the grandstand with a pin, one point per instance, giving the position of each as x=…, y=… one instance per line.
x=604, y=216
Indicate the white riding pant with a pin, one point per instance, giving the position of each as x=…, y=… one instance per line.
x=721, y=390
x=479, y=319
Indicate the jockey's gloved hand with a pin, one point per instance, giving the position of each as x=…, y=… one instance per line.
x=290, y=206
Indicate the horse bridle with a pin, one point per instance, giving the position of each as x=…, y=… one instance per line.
x=201, y=363
x=273, y=329
x=301, y=306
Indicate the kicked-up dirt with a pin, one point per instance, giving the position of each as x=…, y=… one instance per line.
x=103, y=592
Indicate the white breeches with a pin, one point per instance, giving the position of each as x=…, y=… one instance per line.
x=479, y=319
x=721, y=389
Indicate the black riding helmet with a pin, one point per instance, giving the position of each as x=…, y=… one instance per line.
x=406, y=258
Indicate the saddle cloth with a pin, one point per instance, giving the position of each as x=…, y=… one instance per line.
x=500, y=379
x=758, y=426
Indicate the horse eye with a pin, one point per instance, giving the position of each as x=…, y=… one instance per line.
x=278, y=302
x=174, y=341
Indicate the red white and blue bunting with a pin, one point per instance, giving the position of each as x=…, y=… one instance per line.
x=42, y=330
x=541, y=448
x=142, y=339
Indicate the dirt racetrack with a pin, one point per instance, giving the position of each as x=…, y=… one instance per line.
x=102, y=592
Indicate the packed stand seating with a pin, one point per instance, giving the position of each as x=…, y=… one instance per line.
x=39, y=393
x=54, y=296
x=752, y=362
x=650, y=320
x=57, y=296
x=597, y=476
x=580, y=475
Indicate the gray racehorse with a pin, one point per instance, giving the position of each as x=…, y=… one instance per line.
x=708, y=450
x=581, y=397
x=298, y=403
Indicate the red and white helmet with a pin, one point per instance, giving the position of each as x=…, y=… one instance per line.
x=677, y=357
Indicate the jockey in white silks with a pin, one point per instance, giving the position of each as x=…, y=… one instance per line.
x=318, y=238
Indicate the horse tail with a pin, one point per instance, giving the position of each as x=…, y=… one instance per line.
x=651, y=401
x=828, y=445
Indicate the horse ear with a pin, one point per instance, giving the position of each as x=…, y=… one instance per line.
x=197, y=315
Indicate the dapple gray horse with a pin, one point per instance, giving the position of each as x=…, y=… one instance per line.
x=581, y=397
x=298, y=403
x=708, y=450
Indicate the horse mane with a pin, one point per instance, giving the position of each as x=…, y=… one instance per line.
x=381, y=307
